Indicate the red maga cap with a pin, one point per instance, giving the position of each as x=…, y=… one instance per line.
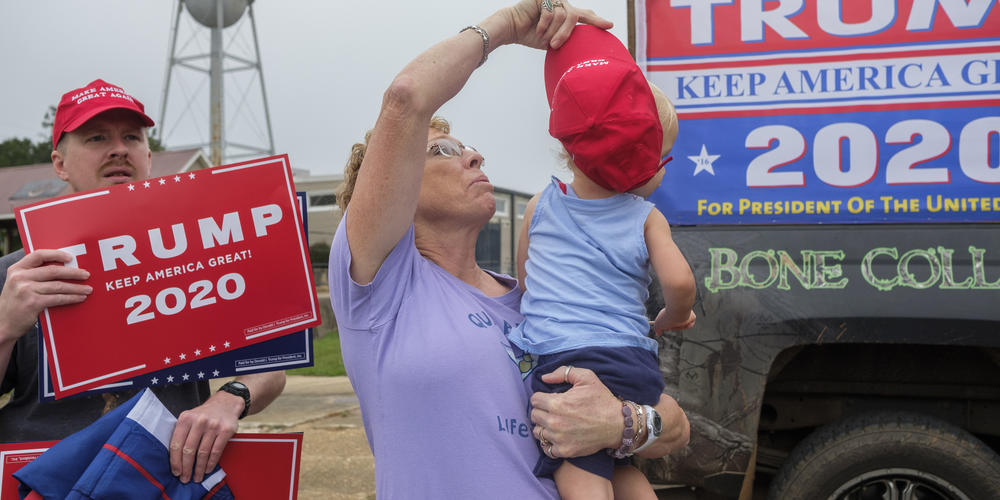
x=602, y=110
x=79, y=105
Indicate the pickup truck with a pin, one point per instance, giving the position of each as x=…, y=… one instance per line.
x=839, y=361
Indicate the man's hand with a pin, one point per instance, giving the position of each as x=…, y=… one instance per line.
x=38, y=281
x=201, y=436
x=202, y=433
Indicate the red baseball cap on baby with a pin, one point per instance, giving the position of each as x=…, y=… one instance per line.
x=79, y=105
x=602, y=110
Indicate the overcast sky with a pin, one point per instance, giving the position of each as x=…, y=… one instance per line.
x=326, y=64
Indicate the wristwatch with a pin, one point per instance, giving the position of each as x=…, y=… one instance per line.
x=239, y=389
x=653, y=423
x=653, y=427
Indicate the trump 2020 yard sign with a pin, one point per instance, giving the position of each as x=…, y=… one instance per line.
x=183, y=267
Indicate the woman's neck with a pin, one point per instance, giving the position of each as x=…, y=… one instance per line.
x=454, y=250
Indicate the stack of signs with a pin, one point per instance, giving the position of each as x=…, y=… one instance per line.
x=185, y=269
x=256, y=465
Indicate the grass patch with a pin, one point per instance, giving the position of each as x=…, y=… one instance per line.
x=326, y=354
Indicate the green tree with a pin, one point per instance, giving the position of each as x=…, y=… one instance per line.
x=154, y=143
x=23, y=151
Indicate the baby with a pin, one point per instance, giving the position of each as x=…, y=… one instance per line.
x=586, y=250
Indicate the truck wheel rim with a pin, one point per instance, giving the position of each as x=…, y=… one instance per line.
x=898, y=484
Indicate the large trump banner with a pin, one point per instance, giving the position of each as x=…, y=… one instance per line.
x=827, y=111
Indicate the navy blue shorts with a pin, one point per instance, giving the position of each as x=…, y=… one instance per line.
x=631, y=373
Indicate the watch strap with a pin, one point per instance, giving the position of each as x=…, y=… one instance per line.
x=651, y=436
x=241, y=390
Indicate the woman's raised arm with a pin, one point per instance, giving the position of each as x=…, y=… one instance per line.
x=384, y=198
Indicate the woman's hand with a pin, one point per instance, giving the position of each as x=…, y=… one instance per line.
x=581, y=421
x=588, y=418
x=538, y=27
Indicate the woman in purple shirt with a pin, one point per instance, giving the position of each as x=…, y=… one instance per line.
x=423, y=328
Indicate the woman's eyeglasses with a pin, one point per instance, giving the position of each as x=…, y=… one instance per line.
x=447, y=148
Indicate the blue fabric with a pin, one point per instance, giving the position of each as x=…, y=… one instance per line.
x=92, y=464
x=587, y=274
x=631, y=373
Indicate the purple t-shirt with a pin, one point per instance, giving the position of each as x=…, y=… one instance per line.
x=441, y=391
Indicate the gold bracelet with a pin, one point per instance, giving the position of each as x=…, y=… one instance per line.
x=486, y=41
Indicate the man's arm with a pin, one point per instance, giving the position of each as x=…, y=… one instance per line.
x=202, y=433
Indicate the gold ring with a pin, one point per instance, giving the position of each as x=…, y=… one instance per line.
x=568, y=367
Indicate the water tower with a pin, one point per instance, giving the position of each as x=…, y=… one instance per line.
x=214, y=45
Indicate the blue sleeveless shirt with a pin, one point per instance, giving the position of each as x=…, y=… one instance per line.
x=587, y=274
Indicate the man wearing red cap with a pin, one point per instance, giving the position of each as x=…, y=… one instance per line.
x=587, y=248
x=99, y=139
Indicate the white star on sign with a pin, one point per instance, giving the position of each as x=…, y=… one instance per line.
x=177, y=178
x=215, y=373
x=197, y=352
x=163, y=181
x=170, y=379
x=186, y=376
x=155, y=381
x=226, y=345
x=183, y=356
x=703, y=161
x=201, y=374
x=131, y=187
x=191, y=175
x=145, y=184
x=211, y=348
x=166, y=361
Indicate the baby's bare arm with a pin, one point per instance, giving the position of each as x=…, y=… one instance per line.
x=673, y=272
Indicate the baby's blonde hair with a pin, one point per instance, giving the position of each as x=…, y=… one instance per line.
x=668, y=118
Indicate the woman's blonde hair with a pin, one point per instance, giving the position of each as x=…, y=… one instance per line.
x=357, y=155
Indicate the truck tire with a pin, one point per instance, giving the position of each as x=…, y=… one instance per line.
x=889, y=455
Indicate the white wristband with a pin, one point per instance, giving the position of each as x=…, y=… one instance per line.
x=650, y=435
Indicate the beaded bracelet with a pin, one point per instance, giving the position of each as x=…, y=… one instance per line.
x=628, y=435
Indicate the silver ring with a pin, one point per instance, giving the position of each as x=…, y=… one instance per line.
x=548, y=451
x=566, y=373
x=558, y=3
x=547, y=4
